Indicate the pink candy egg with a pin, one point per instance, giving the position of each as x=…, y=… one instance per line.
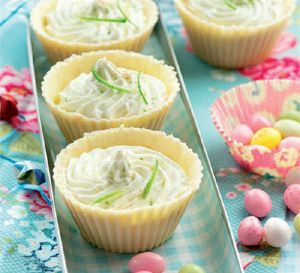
x=147, y=261
x=143, y=271
x=290, y=142
x=242, y=133
x=293, y=176
x=250, y=231
x=258, y=203
x=257, y=122
x=277, y=232
x=292, y=198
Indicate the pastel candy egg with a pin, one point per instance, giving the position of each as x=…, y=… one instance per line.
x=277, y=232
x=293, y=176
x=257, y=122
x=191, y=268
x=290, y=142
x=250, y=231
x=268, y=137
x=242, y=133
x=297, y=223
x=288, y=128
x=292, y=198
x=292, y=114
x=147, y=261
x=257, y=202
x=143, y=271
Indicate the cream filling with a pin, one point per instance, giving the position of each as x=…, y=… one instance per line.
x=247, y=13
x=64, y=21
x=93, y=99
x=125, y=171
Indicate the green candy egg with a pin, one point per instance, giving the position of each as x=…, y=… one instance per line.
x=297, y=223
x=292, y=114
x=288, y=127
x=191, y=268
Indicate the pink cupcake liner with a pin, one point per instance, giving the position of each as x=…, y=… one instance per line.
x=267, y=98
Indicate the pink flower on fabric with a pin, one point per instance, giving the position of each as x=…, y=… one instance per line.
x=273, y=68
x=285, y=42
x=36, y=202
x=19, y=84
x=234, y=170
x=243, y=187
x=188, y=46
x=221, y=174
x=231, y=195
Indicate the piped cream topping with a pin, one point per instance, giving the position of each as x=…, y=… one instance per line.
x=90, y=97
x=246, y=13
x=117, y=177
x=65, y=22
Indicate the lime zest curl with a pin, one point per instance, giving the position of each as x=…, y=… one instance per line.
x=139, y=87
x=230, y=5
x=150, y=182
x=125, y=16
x=108, y=196
x=123, y=20
x=99, y=79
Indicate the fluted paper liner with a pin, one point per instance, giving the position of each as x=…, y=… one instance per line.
x=73, y=125
x=267, y=98
x=232, y=47
x=140, y=229
x=58, y=50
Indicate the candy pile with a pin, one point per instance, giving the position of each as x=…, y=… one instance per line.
x=276, y=231
x=149, y=262
x=259, y=132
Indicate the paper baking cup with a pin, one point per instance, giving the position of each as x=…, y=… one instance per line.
x=267, y=98
x=232, y=47
x=138, y=229
x=73, y=125
x=58, y=50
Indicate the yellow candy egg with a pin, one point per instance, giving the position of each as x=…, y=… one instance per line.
x=268, y=137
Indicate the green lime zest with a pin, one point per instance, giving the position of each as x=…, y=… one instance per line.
x=108, y=196
x=230, y=5
x=99, y=79
x=139, y=87
x=125, y=16
x=150, y=182
x=123, y=20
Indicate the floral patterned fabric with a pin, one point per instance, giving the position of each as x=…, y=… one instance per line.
x=204, y=84
x=27, y=237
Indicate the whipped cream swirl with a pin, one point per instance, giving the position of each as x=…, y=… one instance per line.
x=64, y=21
x=246, y=13
x=118, y=176
x=93, y=99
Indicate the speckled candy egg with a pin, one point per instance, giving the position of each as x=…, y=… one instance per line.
x=293, y=176
x=268, y=137
x=257, y=202
x=292, y=198
x=288, y=127
x=147, y=261
x=290, y=142
x=250, y=231
x=257, y=122
x=297, y=223
x=242, y=133
x=277, y=232
x=191, y=268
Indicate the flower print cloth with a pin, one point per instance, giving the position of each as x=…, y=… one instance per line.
x=204, y=84
x=27, y=237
